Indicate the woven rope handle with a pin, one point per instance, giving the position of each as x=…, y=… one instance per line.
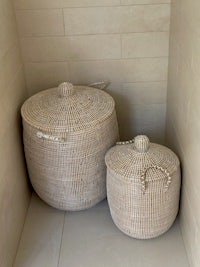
x=100, y=85
x=143, y=177
x=125, y=142
x=49, y=137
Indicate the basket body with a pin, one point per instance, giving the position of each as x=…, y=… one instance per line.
x=67, y=169
x=139, y=213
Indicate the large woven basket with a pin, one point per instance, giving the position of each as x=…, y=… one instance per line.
x=67, y=131
x=143, y=185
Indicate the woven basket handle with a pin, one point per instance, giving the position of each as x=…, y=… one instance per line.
x=125, y=142
x=141, y=143
x=143, y=177
x=49, y=137
x=100, y=85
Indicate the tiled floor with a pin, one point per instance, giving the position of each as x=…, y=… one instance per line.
x=53, y=238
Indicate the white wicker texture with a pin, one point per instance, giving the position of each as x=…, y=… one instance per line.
x=67, y=131
x=143, y=187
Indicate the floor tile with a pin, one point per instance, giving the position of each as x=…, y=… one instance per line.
x=91, y=239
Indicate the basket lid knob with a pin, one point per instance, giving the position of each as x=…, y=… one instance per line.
x=141, y=143
x=66, y=89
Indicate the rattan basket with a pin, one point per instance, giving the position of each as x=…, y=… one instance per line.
x=143, y=185
x=67, y=131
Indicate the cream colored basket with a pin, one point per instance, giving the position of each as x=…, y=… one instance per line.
x=143, y=185
x=67, y=131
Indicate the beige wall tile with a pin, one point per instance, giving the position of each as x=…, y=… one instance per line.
x=193, y=91
x=12, y=210
x=190, y=13
x=187, y=223
x=8, y=27
x=139, y=93
x=40, y=49
x=140, y=2
x=191, y=186
x=14, y=198
x=145, y=93
x=35, y=4
x=142, y=18
x=92, y=20
x=190, y=231
x=148, y=44
x=140, y=109
x=10, y=63
x=145, y=69
x=142, y=119
x=41, y=76
x=40, y=22
x=83, y=3
x=135, y=111
x=95, y=47
x=191, y=148
x=11, y=144
x=85, y=72
x=45, y=49
x=11, y=101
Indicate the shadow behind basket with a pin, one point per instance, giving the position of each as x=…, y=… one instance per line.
x=67, y=131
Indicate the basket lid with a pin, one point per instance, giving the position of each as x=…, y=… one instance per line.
x=132, y=161
x=67, y=108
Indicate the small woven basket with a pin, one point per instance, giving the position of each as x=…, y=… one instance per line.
x=143, y=186
x=67, y=131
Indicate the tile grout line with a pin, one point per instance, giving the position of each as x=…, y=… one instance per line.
x=61, y=241
x=85, y=7
x=93, y=34
x=19, y=242
x=121, y=52
x=94, y=60
x=63, y=20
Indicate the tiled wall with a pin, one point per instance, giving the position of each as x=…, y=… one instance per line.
x=14, y=193
x=183, y=115
x=124, y=42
